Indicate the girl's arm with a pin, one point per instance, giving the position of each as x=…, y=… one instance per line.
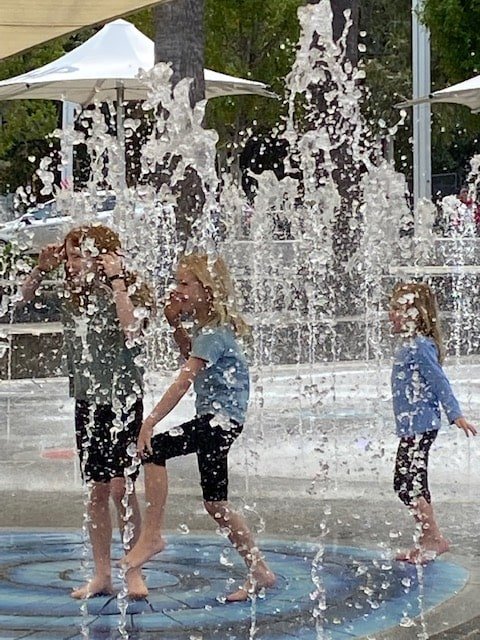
x=125, y=308
x=50, y=258
x=113, y=267
x=170, y=399
x=432, y=371
x=182, y=338
x=30, y=285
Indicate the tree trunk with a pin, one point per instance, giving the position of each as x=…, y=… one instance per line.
x=346, y=174
x=338, y=8
x=180, y=40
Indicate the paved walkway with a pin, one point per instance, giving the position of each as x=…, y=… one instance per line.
x=354, y=592
x=312, y=468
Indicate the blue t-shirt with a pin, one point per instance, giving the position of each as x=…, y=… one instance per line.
x=223, y=386
x=419, y=387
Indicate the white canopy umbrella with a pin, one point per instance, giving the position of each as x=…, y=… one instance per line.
x=107, y=62
x=106, y=67
x=26, y=23
x=466, y=93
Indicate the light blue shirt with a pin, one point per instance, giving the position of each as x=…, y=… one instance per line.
x=223, y=386
x=419, y=387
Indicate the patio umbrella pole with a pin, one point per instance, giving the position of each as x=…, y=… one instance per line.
x=121, y=135
x=68, y=122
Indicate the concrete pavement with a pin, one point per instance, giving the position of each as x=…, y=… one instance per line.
x=314, y=464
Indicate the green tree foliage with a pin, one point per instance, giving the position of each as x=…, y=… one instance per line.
x=386, y=33
x=244, y=37
x=389, y=78
x=254, y=40
x=23, y=140
x=26, y=124
x=455, y=36
x=455, y=40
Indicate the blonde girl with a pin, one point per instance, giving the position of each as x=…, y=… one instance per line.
x=218, y=370
x=419, y=387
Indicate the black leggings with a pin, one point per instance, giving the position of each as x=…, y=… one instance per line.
x=211, y=443
x=411, y=467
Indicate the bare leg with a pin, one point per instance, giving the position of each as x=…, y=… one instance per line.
x=150, y=540
x=431, y=542
x=100, y=531
x=118, y=493
x=260, y=576
x=136, y=587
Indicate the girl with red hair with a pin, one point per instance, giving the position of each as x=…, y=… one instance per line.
x=100, y=307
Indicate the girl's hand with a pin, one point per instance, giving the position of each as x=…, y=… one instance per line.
x=466, y=426
x=51, y=257
x=112, y=264
x=173, y=309
x=144, y=442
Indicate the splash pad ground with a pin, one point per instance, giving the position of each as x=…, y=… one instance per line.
x=365, y=592
x=308, y=476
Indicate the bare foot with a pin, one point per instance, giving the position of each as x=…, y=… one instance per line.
x=95, y=587
x=413, y=556
x=136, y=587
x=142, y=552
x=428, y=550
x=261, y=579
x=435, y=546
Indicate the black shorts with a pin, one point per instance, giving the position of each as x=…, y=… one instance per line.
x=103, y=438
x=410, y=481
x=211, y=443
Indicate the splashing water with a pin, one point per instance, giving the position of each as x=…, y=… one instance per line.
x=315, y=296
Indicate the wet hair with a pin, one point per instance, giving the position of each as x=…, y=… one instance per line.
x=421, y=297
x=102, y=239
x=213, y=274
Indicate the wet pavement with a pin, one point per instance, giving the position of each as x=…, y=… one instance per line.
x=312, y=473
x=354, y=592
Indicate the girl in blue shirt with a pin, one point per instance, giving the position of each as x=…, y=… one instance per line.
x=219, y=372
x=419, y=387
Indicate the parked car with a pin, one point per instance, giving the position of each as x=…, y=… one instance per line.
x=47, y=224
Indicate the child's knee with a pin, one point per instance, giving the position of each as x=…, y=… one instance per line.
x=117, y=490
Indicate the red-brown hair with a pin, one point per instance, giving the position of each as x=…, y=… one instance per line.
x=105, y=240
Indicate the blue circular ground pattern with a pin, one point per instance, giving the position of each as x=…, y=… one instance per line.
x=365, y=592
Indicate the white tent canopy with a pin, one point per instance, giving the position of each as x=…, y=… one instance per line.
x=26, y=23
x=466, y=93
x=108, y=61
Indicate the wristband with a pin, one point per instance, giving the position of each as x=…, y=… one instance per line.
x=118, y=276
